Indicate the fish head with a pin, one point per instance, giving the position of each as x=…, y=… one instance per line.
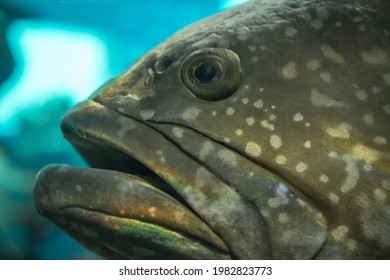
x=261, y=132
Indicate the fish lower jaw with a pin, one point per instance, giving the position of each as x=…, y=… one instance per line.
x=106, y=234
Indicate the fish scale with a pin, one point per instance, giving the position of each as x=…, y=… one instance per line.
x=268, y=122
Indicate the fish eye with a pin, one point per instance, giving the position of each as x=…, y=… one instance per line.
x=212, y=73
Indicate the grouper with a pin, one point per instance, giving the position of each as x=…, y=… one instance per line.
x=262, y=132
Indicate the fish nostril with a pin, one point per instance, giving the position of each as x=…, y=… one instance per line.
x=162, y=65
x=150, y=78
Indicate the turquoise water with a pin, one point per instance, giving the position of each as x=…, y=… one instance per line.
x=54, y=53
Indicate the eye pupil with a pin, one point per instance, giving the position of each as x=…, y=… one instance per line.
x=205, y=72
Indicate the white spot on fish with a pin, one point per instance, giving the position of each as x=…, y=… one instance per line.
x=375, y=56
x=298, y=117
x=313, y=65
x=368, y=119
x=332, y=55
x=321, y=100
x=339, y=233
x=280, y=159
x=324, y=178
x=341, y=131
x=245, y=100
x=205, y=150
x=333, y=198
x=361, y=95
x=338, y=24
x=250, y=121
x=316, y=23
x=306, y=15
x=79, y=188
x=178, y=132
x=226, y=140
x=147, y=114
x=380, y=140
x=367, y=167
x=301, y=167
x=253, y=149
x=386, y=79
x=376, y=90
x=352, y=173
x=161, y=155
x=213, y=113
x=264, y=213
x=191, y=114
x=275, y=202
x=289, y=71
x=357, y=19
x=222, y=43
x=380, y=194
x=362, y=28
x=365, y=153
x=386, y=108
x=275, y=141
x=325, y=76
x=252, y=48
x=152, y=211
x=243, y=33
x=291, y=31
x=254, y=59
x=282, y=218
x=230, y=111
x=268, y=125
x=272, y=117
x=386, y=184
x=239, y=132
x=307, y=144
x=228, y=157
x=125, y=125
x=258, y=104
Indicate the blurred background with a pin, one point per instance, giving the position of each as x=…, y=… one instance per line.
x=54, y=53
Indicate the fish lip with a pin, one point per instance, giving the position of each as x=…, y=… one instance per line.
x=69, y=211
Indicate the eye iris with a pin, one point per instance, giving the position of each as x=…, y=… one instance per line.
x=205, y=72
x=212, y=74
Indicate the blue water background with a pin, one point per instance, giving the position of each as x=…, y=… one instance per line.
x=54, y=53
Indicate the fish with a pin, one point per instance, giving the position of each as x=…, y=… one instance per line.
x=261, y=132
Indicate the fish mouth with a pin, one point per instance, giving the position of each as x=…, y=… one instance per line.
x=120, y=207
x=148, y=195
